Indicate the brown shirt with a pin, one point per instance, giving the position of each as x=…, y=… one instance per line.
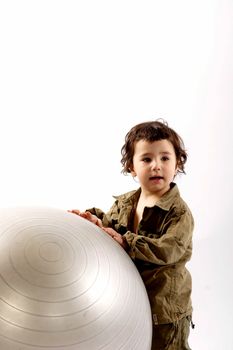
x=160, y=249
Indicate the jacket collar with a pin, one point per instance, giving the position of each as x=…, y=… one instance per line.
x=167, y=199
x=164, y=203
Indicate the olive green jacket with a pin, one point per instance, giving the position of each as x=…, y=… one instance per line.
x=160, y=249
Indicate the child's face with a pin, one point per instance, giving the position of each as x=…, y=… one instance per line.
x=155, y=165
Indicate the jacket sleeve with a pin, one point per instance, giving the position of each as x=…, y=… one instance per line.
x=169, y=248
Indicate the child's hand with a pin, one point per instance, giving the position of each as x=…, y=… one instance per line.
x=87, y=215
x=116, y=236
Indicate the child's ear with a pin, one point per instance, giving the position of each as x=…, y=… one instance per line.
x=177, y=169
x=132, y=172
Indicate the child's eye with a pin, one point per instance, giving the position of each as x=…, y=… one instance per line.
x=146, y=160
x=164, y=158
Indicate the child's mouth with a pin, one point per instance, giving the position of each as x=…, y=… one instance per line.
x=156, y=177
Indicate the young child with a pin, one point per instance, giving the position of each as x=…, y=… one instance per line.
x=154, y=225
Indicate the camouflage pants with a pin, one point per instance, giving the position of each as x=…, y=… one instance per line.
x=172, y=336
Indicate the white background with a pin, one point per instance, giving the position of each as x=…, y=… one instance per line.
x=75, y=76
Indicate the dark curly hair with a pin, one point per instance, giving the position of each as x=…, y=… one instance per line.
x=152, y=131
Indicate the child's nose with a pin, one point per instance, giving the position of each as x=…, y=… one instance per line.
x=155, y=165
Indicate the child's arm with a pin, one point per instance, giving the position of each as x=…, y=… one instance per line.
x=95, y=220
x=170, y=248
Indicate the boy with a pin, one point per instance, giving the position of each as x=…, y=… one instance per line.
x=154, y=225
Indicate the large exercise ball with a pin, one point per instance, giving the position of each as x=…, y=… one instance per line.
x=67, y=285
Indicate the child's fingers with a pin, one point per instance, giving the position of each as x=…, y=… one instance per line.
x=88, y=216
x=110, y=231
x=74, y=211
x=84, y=215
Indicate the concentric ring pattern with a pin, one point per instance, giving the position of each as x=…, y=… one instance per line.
x=65, y=284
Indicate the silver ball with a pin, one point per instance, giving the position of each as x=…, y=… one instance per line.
x=67, y=285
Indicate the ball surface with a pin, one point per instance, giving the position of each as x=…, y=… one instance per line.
x=67, y=285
